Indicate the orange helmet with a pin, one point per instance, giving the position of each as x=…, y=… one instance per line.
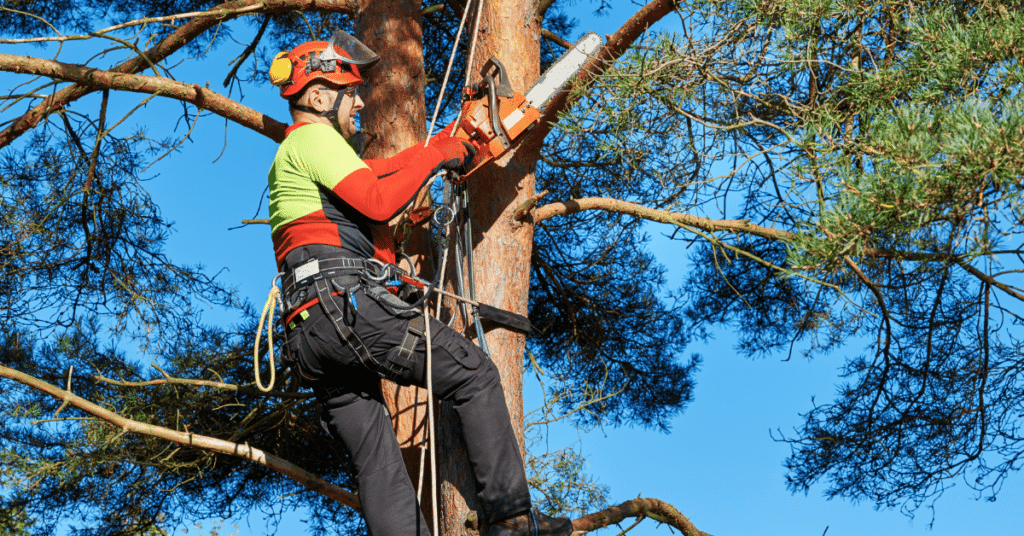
x=336, y=62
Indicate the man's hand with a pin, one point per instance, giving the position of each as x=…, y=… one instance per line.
x=457, y=154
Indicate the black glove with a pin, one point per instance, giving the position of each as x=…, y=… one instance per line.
x=456, y=153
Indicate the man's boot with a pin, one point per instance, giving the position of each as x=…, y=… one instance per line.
x=531, y=523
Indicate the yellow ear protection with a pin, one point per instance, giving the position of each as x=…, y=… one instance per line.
x=281, y=70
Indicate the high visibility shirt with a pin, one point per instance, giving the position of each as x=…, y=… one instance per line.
x=321, y=192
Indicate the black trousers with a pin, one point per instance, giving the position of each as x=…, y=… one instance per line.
x=355, y=414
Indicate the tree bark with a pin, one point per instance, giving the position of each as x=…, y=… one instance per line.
x=502, y=249
x=394, y=119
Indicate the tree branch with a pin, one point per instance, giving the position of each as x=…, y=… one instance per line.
x=201, y=383
x=563, y=208
x=185, y=439
x=183, y=35
x=640, y=507
x=248, y=50
x=89, y=79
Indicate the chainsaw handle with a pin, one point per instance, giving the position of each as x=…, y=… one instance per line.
x=493, y=110
x=495, y=70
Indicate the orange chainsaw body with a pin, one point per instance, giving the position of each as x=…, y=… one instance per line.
x=493, y=116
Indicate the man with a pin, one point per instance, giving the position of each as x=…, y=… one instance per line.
x=329, y=213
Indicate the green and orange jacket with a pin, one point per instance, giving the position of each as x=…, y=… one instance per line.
x=321, y=192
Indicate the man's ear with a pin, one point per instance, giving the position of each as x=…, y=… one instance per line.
x=316, y=98
x=322, y=101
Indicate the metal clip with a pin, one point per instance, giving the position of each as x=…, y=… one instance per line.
x=381, y=274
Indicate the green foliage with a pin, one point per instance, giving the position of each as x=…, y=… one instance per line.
x=925, y=179
x=14, y=522
x=873, y=152
x=80, y=236
x=604, y=325
x=564, y=488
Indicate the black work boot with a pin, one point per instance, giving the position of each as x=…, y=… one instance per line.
x=531, y=523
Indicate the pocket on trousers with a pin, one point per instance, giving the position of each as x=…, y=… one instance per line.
x=326, y=344
x=298, y=357
x=463, y=351
x=394, y=366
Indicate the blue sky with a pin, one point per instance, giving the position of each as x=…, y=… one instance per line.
x=719, y=465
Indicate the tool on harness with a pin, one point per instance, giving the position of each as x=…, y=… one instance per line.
x=494, y=116
x=325, y=296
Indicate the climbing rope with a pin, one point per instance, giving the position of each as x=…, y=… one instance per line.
x=273, y=302
x=430, y=419
x=448, y=71
x=439, y=274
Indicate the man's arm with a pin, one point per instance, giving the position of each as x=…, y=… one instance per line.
x=378, y=189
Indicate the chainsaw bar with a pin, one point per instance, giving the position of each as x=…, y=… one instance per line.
x=494, y=116
x=561, y=71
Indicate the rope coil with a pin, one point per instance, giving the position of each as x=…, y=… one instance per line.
x=274, y=301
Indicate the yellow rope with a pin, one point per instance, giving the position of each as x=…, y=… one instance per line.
x=273, y=300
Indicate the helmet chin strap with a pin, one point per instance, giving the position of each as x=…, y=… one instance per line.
x=332, y=115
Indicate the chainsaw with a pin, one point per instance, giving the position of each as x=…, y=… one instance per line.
x=494, y=116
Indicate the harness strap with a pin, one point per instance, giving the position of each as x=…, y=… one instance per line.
x=331, y=309
x=413, y=333
x=304, y=273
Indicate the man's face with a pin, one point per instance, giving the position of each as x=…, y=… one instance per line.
x=323, y=99
x=348, y=110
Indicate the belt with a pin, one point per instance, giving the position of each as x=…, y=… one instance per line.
x=342, y=274
x=303, y=274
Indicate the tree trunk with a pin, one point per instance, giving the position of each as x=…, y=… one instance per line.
x=502, y=249
x=395, y=118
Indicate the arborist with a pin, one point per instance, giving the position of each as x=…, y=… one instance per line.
x=329, y=213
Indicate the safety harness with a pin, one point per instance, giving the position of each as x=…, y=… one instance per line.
x=324, y=281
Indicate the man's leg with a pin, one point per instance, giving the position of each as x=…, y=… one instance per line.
x=385, y=491
x=464, y=375
x=354, y=413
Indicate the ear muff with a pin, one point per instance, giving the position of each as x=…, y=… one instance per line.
x=281, y=70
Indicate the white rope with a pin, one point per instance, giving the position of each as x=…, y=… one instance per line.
x=430, y=435
x=273, y=300
x=448, y=71
x=472, y=44
x=472, y=49
x=430, y=418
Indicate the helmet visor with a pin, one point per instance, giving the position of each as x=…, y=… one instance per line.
x=359, y=53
